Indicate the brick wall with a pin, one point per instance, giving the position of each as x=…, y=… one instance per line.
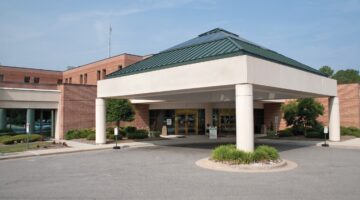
x=17, y=74
x=91, y=70
x=77, y=107
x=270, y=111
x=141, y=120
x=349, y=100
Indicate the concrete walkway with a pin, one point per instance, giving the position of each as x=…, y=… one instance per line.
x=80, y=147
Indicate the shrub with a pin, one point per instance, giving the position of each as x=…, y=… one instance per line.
x=91, y=136
x=78, y=133
x=313, y=134
x=6, y=130
x=22, y=138
x=140, y=134
x=286, y=133
x=230, y=154
x=154, y=134
x=353, y=131
x=4, y=137
x=130, y=129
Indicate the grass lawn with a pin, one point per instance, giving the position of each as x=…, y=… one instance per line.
x=23, y=147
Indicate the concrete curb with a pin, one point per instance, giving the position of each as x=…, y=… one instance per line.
x=284, y=165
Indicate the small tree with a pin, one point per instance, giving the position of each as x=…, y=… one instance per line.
x=119, y=110
x=302, y=114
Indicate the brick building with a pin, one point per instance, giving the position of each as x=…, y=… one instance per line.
x=54, y=101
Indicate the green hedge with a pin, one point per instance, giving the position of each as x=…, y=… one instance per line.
x=130, y=129
x=20, y=138
x=229, y=153
x=78, y=133
x=139, y=134
x=286, y=133
x=350, y=131
x=315, y=134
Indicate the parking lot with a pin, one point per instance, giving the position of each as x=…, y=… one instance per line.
x=168, y=171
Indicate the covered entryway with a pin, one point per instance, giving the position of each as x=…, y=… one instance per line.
x=217, y=70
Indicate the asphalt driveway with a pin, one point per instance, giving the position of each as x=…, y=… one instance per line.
x=169, y=172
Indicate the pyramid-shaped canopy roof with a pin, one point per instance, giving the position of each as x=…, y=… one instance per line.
x=214, y=44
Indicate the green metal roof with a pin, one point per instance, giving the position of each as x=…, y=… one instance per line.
x=214, y=44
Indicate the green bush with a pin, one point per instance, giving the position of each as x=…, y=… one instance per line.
x=313, y=134
x=286, y=133
x=154, y=134
x=130, y=129
x=78, y=133
x=6, y=130
x=229, y=153
x=22, y=138
x=139, y=134
x=353, y=131
x=4, y=138
x=91, y=136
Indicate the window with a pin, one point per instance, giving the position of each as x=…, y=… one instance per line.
x=70, y=80
x=98, y=75
x=1, y=77
x=85, y=78
x=81, y=79
x=120, y=67
x=27, y=79
x=36, y=80
x=59, y=81
x=104, y=74
x=66, y=80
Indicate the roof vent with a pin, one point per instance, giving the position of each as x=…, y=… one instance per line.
x=217, y=30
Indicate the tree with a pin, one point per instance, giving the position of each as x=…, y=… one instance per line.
x=302, y=114
x=327, y=70
x=347, y=76
x=119, y=110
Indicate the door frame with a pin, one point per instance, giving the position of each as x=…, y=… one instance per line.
x=187, y=112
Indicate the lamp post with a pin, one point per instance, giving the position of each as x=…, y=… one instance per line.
x=326, y=131
x=116, y=133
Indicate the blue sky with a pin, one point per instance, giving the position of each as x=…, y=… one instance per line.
x=54, y=34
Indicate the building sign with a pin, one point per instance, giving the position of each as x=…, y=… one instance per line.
x=212, y=132
x=168, y=122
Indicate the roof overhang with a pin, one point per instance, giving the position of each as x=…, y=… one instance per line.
x=215, y=81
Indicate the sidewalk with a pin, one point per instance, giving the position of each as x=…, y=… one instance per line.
x=347, y=144
x=73, y=147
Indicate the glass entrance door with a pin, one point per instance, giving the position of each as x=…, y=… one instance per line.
x=186, y=122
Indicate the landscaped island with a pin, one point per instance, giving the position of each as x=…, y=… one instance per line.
x=230, y=155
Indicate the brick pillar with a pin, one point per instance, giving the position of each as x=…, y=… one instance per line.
x=141, y=120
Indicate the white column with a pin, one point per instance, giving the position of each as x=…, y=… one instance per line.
x=2, y=118
x=244, y=117
x=100, y=119
x=208, y=115
x=30, y=120
x=52, y=123
x=334, y=119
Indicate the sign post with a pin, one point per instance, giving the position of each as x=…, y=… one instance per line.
x=116, y=133
x=326, y=131
x=27, y=135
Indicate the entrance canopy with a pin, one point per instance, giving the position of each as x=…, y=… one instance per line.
x=218, y=66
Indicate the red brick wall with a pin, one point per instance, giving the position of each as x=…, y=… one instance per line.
x=349, y=100
x=77, y=107
x=270, y=111
x=110, y=65
x=17, y=74
x=141, y=120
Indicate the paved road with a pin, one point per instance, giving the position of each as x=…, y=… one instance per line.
x=169, y=172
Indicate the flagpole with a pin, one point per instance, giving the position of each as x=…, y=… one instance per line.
x=110, y=30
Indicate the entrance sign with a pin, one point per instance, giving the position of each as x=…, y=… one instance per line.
x=326, y=130
x=212, y=132
x=116, y=131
